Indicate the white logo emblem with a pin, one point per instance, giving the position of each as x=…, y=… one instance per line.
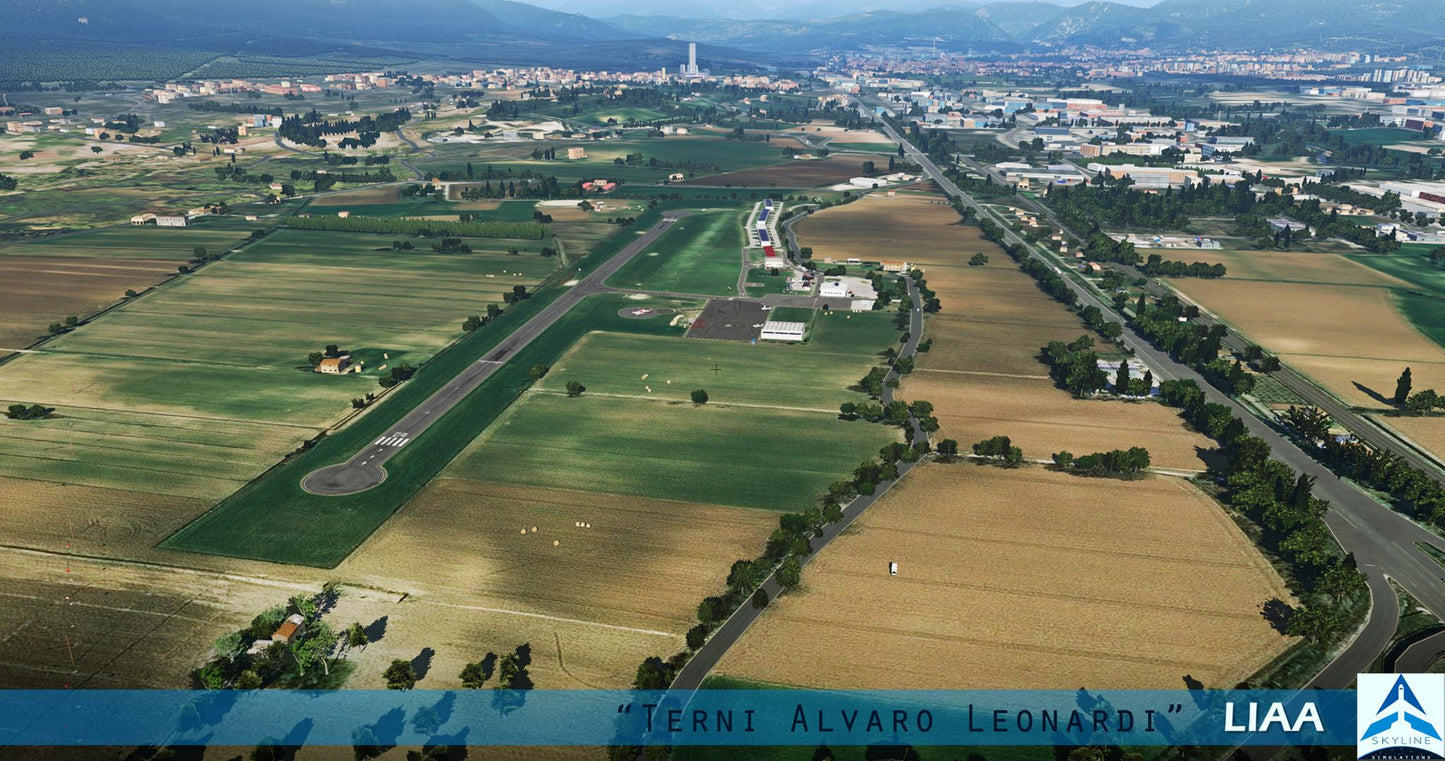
x=1400, y=716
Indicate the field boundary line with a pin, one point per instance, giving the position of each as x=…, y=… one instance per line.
x=980, y=372
x=183, y=417
x=662, y=400
x=156, y=566
x=545, y=617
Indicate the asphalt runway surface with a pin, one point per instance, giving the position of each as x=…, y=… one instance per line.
x=729, y=320
x=367, y=468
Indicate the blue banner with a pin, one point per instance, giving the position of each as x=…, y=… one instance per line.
x=707, y=717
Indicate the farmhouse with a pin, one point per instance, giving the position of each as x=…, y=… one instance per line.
x=576, y=152
x=170, y=220
x=334, y=365
x=294, y=626
x=783, y=331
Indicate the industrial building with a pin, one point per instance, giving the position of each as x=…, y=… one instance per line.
x=783, y=331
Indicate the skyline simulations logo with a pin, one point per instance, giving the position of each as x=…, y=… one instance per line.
x=1400, y=716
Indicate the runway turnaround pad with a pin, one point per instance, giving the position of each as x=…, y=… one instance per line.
x=729, y=320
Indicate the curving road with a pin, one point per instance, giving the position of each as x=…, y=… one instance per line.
x=1382, y=540
x=367, y=468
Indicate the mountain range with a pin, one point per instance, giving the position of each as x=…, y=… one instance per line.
x=504, y=31
x=1171, y=24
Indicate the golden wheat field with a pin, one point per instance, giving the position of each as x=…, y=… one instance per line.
x=1023, y=579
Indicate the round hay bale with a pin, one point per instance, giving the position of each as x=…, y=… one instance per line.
x=534, y=529
x=524, y=532
x=555, y=543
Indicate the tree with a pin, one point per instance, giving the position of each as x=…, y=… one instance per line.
x=364, y=744
x=653, y=674
x=474, y=675
x=1421, y=402
x=575, y=389
x=696, y=636
x=400, y=675
x=426, y=721
x=1000, y=447
x=33, y=412
x=699, y=397
x=96, y=149
x=978, y=260
x=1121, y=379
x=790, y=574
x=948, y=449
x=314, y=647
x=1402, y=388
x=1312, y=423
x=535, y=372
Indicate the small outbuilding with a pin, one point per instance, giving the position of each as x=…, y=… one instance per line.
x=334, y=365
x=294, y=626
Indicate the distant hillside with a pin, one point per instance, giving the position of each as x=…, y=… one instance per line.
x=371, y=33
x=1171, y=24
x=951, y=27
x=1017, y=19
x=550, y=24
x=1250, y=24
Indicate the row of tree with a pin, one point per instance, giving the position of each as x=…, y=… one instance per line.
x=1291, y=520
x=1116, y=463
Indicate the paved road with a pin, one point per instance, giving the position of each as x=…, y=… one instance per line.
x=1419, y=657
x=366, y=468
x=725, y=636
x=1382, y=540
x=1364, y=428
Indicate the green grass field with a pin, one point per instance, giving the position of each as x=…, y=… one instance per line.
x=702, y=253
x=1378, y=136
x=160, y=454
x=765, y=374
x=428, y=206
x=743, y=456
x=225, y=348
x=766, y=283
x=883, y=148
x=1424, y=310
x=273, y=519
x=850, y=331
x=700, y=154
x=137, y=242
